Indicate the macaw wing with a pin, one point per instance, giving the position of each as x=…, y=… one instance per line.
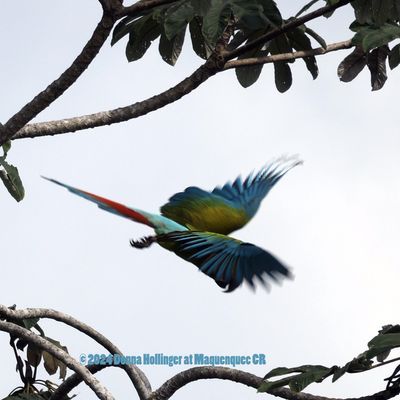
x=249, y=193
x=227, y=260
x=229, y=208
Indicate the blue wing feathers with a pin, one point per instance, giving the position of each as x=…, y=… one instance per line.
x=228, y=261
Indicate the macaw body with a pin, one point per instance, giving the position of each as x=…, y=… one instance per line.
x=194, y=224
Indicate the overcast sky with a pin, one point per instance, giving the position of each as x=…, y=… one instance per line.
x=335, y=220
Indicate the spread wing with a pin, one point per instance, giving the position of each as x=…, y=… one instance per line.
x=229, y=208
x=228, y=261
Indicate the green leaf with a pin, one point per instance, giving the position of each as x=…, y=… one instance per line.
x=394, y=57
x=376, y=62
x=363, y=11
x=249, y=75
x=34, y=355
x=280, y=45
x=176, y=19
x=123, y=28
x=358, y=364
x=381, y=11
x=300, y=41
x=389, y=340
x=306, y=374
x=352, y=65
x=171, y=49
x=145, y=30
x=271, y=11
x=200, y=46
x=372, y=37
x=11, y=180
x=249, y=14
x=6, y=147
x=305, y=8
x=316, y=37
x=215, y=20
x=283, y=76
x=51, y=364
x=201, y=7
x=314, y=374
x=330, y=3
x=30, y=322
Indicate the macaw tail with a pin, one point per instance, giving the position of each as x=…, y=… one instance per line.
x=108, y=205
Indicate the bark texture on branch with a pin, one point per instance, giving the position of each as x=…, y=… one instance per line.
x=101, y=391
x=246, y=62
x=119, y=114
x=136, y=375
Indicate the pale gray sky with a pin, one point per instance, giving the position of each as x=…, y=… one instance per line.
x=335, y=220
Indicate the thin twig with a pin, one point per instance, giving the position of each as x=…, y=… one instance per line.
x=101, y=391
x=385, y=362
x=245, y=62
x=136, y=375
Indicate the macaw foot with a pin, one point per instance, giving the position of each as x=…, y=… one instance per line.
x=143, y=242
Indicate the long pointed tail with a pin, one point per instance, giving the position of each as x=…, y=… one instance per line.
x=108, y=205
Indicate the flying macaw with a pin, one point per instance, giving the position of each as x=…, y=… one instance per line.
x=194, y=224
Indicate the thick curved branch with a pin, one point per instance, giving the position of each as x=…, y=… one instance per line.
x=101, y=391
x=73, y=381
x=60, y=85
x=166, y=390
x=120, y=114
x=245, y=62
x=135, y=374
x=293, y=23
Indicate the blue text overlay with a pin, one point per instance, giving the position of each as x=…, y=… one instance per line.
x=172, y=360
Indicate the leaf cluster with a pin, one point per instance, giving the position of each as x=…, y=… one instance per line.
x=298, y=378
x=27, y=366
x=207, y=20
x=376, y=25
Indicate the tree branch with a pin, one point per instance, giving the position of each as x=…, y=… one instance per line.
x=167, y=389
x=74, y=380
x=138, y=109
x=245, y=62
x=60, y=85
x=117, y=115
x=101, y=391
x=294, y=23
x=136, y=375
